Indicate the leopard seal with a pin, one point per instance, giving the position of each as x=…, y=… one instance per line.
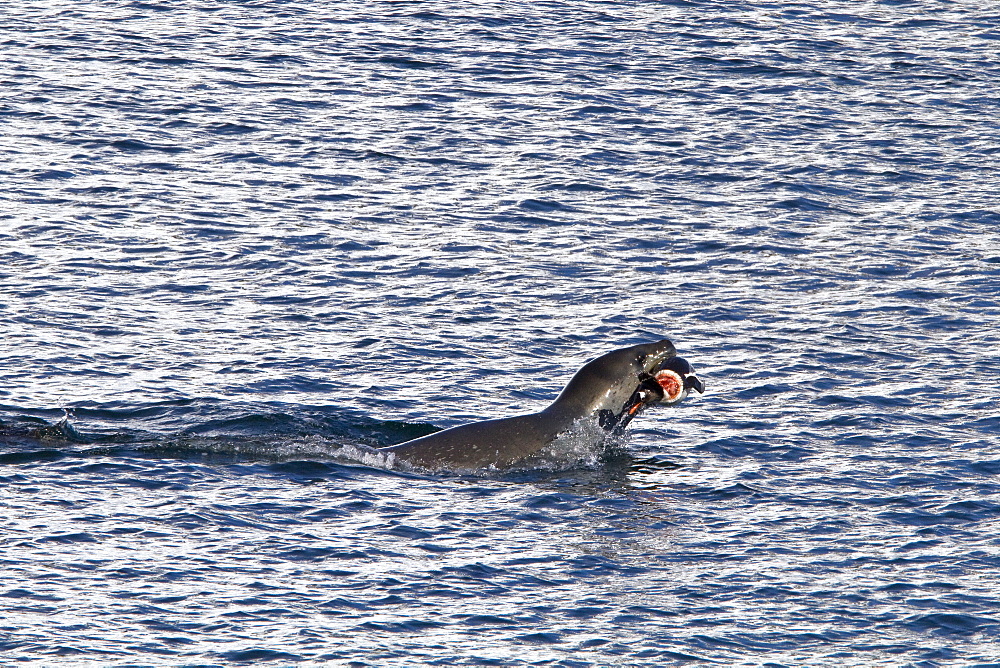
x=611, y=389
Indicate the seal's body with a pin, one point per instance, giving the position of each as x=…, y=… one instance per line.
x=611, y=389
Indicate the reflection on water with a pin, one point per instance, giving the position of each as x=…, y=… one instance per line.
x=244, y=245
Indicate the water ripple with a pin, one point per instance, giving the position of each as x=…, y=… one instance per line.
x=245, y=244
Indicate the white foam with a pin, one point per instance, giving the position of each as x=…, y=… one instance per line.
x=583, y=444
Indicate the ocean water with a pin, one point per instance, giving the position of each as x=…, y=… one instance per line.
x=243, y=243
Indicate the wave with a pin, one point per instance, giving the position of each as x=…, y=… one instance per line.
x=238, y=432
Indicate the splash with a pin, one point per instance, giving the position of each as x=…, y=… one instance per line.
x=584, y=445
x=283, y=449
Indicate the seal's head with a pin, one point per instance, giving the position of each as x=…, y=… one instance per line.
x=618, y=385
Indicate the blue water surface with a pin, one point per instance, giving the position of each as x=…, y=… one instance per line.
x=243, y=243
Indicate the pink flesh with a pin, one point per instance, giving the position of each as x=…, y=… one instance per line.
x=671, y=384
